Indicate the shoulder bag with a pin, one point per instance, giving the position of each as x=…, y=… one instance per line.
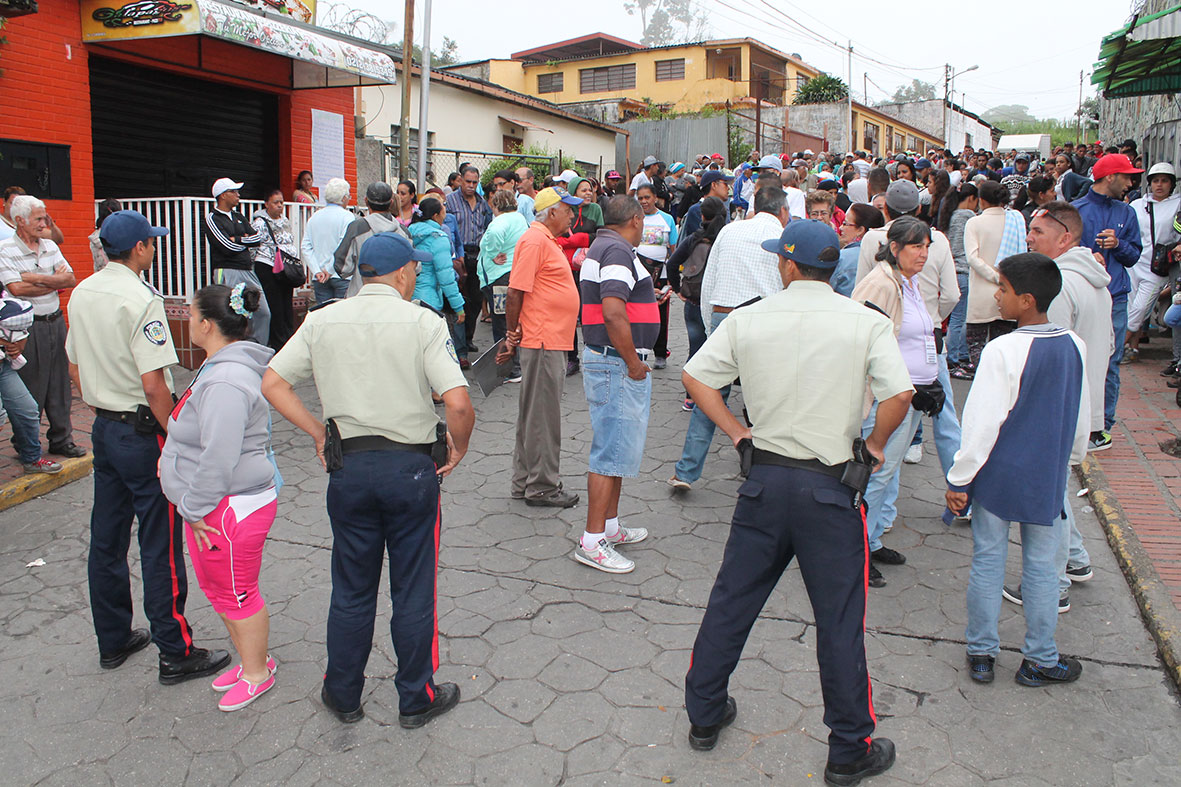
x=286, y=266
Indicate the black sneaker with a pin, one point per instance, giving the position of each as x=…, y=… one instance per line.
x=703, y=737
x=888, y=556
x=343, y=716
x=981, y=668
x=69, y=450
x=199, y=663
x=1013, y=594
x=1169, y=371
x=1067, y=670
x=559, y=498
x=878, y=759
x=876, y=580
x=1079, y=573
x=139, y=639
x=446, y=698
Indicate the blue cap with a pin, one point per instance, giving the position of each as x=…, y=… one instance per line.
x=922, y=163
x=712, y=176
x=386, y=252
x=771, y=162
x=125, y=228
x=808, y=242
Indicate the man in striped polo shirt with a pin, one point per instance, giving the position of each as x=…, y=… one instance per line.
x=620, y=322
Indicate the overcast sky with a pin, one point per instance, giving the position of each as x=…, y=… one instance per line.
x=1038, y=67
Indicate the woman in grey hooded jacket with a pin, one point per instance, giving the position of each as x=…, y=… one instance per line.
x=217, y=468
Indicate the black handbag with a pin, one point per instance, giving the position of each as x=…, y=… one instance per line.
x=929, y=398
x=294, y=273
x=1161, y=261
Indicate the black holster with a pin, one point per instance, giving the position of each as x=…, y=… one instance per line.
x=929, y=399
x=857, y=471
x=145, y=421
x=333, y=453
x=440, y=453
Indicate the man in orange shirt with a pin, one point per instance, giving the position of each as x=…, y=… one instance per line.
x=541, y=312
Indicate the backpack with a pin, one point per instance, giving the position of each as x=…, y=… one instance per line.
x=693, y=271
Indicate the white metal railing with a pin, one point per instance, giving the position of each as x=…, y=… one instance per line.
x=182, y=266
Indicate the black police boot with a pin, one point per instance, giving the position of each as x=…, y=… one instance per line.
x=199, y=663
x=705, y=737
x=344, y=716
x=879, y=758
x=446, y=698
x=140, y=639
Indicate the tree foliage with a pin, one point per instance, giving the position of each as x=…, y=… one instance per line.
x=823, y=89
x=670, y=21
x=917, y=90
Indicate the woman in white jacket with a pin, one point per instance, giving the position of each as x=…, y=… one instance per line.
x=985, y=245
x=1155, y=211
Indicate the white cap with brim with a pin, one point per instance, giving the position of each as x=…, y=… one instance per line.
x=222, y=185
x=566, y=176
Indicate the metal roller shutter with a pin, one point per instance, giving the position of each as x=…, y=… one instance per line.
x=158, y=134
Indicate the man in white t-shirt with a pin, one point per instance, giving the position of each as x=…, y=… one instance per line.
x=644, y=176
x=861, y=164
x=796, y=204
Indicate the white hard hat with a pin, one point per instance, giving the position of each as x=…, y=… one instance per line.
x=1163, y=168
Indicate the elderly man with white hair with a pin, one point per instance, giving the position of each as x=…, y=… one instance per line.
x=321, y=237
x=33, y=268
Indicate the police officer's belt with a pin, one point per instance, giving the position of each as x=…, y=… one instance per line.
x=762, y=457
x=353, y=445
x=112, y=415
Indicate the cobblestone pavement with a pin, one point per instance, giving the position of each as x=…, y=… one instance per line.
x=571, y=676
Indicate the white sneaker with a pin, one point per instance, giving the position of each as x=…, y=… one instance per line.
x=680, y=485
x=628, y=535
x=604, y=558
x=914, y=454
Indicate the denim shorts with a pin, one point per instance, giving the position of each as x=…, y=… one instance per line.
x=619, y=409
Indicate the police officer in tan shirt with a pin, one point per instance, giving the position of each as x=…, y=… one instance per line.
x=375, y=358
x=804, y=354
x=119, y=350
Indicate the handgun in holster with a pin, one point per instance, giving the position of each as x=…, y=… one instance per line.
x=746, y=455
x=146, y=423
x=440, y=453
x=333, y=455
x=858, y=470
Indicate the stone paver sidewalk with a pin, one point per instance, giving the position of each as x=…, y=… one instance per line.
x=571, y=676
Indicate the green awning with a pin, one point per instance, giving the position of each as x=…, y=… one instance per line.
x=1143, y=58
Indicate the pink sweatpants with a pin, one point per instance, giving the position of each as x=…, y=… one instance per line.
x=228, y=570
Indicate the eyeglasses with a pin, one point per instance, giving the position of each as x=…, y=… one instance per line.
x=819, y=214
x=1040, y=212
x=847, y=223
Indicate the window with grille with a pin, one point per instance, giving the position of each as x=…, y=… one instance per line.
x=670, y=70
x=549, y=83
x=600, y=80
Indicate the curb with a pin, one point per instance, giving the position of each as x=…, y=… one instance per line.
x=1156, y=603
x=26, y=487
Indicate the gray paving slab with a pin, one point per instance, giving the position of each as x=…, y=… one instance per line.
x=571, y=676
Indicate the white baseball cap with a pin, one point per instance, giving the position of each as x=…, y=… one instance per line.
x=567, y=176
x=222, y=185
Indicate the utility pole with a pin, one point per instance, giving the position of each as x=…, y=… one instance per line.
x=407, y=64
x=946, y=99
x=1078, y=124
x=424, y=100
x=865, y=86
x=850, y=97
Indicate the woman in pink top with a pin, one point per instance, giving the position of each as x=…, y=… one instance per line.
x=407, y=202
x=303, y=189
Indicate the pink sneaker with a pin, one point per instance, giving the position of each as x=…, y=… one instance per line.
x=226, y=680
x=244, y=692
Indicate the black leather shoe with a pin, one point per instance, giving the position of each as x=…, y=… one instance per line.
x=140, y=639
x=879, y=758
x=891, y=557
x=343, y=716
x=558, y=499
x=70, y=450
x=199, y=663
x=705, y=737
x=446, y=698
x=876, y=580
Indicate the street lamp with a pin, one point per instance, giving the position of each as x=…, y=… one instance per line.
x=948, y=77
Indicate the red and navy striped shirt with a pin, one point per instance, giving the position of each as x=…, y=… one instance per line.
x=612, y=270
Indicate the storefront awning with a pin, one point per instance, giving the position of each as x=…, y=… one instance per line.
x=1143, y=58
x=322, y=58
x=525, y=124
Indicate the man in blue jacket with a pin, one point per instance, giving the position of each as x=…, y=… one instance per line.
x=1110, y=228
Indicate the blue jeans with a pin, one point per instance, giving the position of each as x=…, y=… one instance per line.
x=878, y=497
x=1173, y=316
x=701, y=430
x=1039, y=585
x=957, y=341
x=335, y=287
x=1071, y=551
x=695, y=327
x=619, y=408
x=1119, y=325
x=22, y=413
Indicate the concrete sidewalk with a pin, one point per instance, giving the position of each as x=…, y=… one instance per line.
x=571, y=676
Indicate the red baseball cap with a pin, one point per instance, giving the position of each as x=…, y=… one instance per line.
x=716, y=157
x=1114, y=164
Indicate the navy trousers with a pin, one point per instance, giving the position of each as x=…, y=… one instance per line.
x=784, y=513
x=126, y=485
x=384, y=502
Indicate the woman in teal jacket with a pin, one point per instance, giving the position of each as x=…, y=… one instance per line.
x=436, y=285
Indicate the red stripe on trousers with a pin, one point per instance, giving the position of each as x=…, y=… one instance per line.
x=864, y=610
x=176, y=615
x=430, y=692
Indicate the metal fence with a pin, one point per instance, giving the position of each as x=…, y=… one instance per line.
x=676, y=139
x=441, y=162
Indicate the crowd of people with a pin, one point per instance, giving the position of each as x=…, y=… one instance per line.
x=891, y=278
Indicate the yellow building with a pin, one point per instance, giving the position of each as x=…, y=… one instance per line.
x=880, y=134
x=678, y=77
